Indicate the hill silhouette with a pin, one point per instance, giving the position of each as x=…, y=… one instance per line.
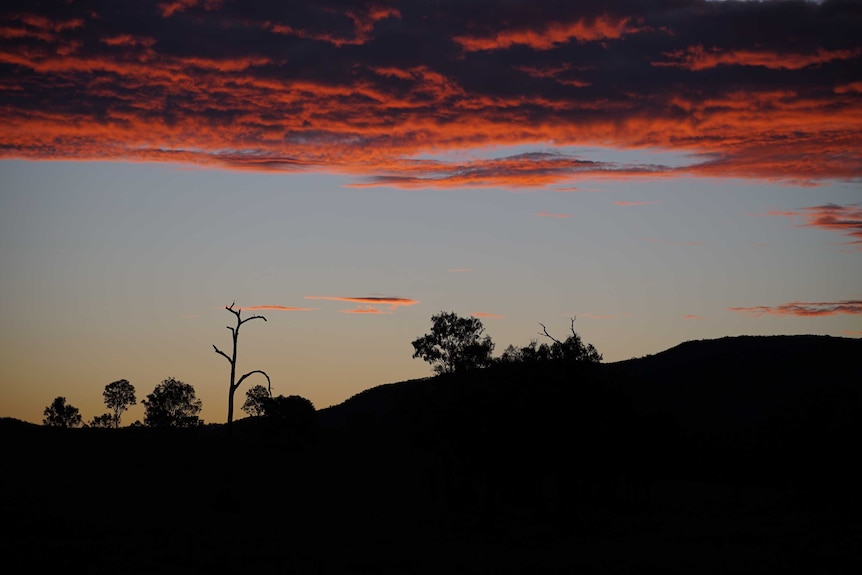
x=741, y=449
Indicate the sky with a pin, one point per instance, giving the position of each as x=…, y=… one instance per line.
x=662, y=171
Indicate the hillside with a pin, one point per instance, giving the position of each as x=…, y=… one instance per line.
x=707, y=384
x=741, y=449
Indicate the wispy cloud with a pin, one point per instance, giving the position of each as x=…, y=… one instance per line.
x=277, y=308
x=365, y=310
x=550, y=215
x=692, y=316
x=718, y=81
x=547, y=35
x=851, y=332
x=699, y=58
x=369, y=305
x=846, y=220
x=804, y=309
x=481, y=314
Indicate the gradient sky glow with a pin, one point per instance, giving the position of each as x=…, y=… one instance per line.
x=665, y=171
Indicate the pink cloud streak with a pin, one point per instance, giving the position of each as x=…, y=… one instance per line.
x=846, y=220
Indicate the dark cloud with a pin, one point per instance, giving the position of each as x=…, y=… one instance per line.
x=749, y=89
x=804, y=309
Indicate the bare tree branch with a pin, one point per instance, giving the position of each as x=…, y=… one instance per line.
x=260, y=371
x=546, y=334
x=251, y=318
x=573, y=326
x=235, y=312
x=223, y=354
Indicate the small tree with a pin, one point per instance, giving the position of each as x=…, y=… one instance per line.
x=255, y=401
x=59, y=414
x=232, y=360
x=119, y=395
x=172, y=404
x=454, y=344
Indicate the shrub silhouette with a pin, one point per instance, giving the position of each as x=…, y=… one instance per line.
x=106, y=420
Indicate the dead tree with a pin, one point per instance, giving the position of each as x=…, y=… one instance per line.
x=234, y=385
x=552, y=338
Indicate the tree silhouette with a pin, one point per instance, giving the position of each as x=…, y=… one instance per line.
x=454, y=344
x=232, y=360
x=572, y=349
x=60, y=414
x=255, y=401
x=119, y=395
x=172, y=404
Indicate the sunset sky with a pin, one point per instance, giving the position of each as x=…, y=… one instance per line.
x=664, y=170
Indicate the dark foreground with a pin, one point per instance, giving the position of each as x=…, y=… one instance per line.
x=552, y=469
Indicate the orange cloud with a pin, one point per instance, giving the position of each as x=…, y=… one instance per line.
x=365, y=310
x=171, y=7
x=128, y=40
x=851, y=332
x=363, y=26
x=155, y=85
x=804, y=309
x=550, y=35
x=692, y=316
x=368, y=303
x=550, y=215
x=278, y=308
x=846, y=220
x=487, y=315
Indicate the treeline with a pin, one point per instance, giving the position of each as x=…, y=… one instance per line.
x=454, y=345
x=172, y=403
x=458, y=344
